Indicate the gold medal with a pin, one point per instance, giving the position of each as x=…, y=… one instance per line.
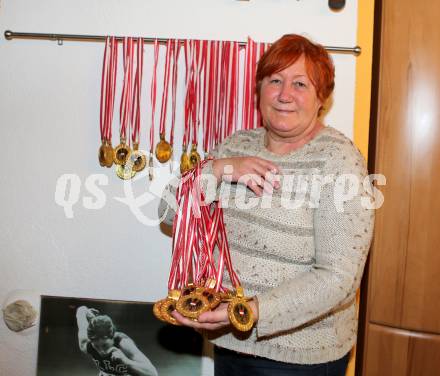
x=157, y=311
x=239, y=312
x=122, y=153
x=194, y=156
x=190, y=289
x=185, y=163
x=211, y=296
x=214, y=297
x=192, y=305
x=101, y=154
x=108, y=154
x=137, y=159
x=169, y=305
x=105, y=154
x=163, y=150
x=125, y=172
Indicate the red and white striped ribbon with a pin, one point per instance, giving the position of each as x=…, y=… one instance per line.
x=136, y=102
x=197, y=230
x=153, y=91
x=125, y=107
x=166, y=80
x=108, y=87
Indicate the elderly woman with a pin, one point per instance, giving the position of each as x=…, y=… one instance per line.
x=298, y=231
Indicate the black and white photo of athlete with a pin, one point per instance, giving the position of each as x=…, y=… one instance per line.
x=114, y=353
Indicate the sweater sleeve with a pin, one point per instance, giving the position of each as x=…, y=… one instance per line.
x=343, y=228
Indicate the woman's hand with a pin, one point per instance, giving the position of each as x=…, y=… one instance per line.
x=256, y=173
x=216, y=319
x=211, y=320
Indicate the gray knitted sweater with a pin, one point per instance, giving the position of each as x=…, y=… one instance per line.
x=301, y=250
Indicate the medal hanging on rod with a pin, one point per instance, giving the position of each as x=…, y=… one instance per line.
x=138, y=159
x=195, y=281
x=103, y=150
x=185, y=163
x=163, y=148
x=153, y=92
x=123, y=150
x=108, y=86
x=176, y=53
x=197, y=67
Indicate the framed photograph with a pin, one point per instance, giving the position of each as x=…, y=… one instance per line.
x=82, y=337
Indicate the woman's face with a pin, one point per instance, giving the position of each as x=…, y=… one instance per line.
x=288, y=102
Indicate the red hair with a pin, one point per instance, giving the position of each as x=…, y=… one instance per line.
x=287, y=50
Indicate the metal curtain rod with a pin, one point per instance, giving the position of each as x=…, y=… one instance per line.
x=101, y=38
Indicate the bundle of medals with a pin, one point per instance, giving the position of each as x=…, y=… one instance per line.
x=200, y=256
x=164, y=149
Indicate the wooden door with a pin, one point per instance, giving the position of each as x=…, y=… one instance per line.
x=396, y=352
x=402, y=321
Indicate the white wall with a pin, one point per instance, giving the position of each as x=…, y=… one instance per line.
x=49, y=108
